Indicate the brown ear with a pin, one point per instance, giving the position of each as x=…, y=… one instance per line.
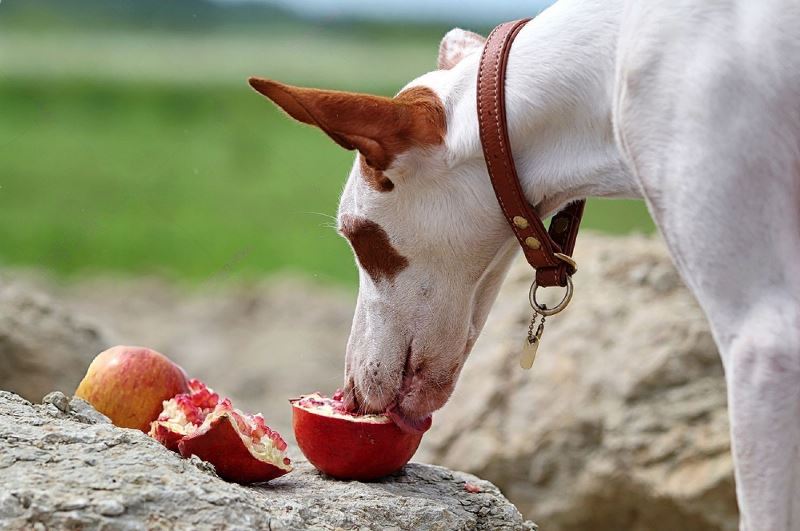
x=379, y=128
x=456, y=45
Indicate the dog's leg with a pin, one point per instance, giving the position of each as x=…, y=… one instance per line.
x=763, y=374
x=711, y=128
x=753, y=306
x=750, y=293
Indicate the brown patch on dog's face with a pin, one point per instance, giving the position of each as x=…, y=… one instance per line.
x=428, y=118
x=372, y=247
x=375, y=178
x=430, y=133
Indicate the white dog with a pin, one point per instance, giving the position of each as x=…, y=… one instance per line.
x=692, y=105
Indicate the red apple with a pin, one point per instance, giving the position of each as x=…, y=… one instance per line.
x=350, y=446
x=129, y=385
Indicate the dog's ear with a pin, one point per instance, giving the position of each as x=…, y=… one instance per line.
x=379, y=128
x=456, y=45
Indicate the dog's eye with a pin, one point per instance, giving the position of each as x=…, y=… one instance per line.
x=375, y=178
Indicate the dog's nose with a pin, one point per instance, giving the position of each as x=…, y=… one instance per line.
x=364, y=399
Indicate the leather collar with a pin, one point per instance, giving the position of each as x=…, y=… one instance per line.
x=549, y=252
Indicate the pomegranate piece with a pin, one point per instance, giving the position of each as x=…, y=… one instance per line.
x=241, y=447
x=472, y=488
x=345, y=445
x=183, y=414
x=129, y=384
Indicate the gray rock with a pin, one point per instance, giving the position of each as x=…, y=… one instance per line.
x=621, y=423
x=135, y=483
x=42, y=346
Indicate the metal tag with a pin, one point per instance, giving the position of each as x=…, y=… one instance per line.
x=528, y=353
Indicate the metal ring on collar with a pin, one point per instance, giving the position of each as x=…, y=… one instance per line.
x=569, y=261
x=543, y=310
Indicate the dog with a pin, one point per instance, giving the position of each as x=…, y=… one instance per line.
x=692, y=106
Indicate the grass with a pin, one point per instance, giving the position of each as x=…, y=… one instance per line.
x=170, y=175
x=187, y=181
x=307, y=56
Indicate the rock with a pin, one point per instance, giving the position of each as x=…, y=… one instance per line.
x=135, y=483
x=621, y=423
x=42, y=346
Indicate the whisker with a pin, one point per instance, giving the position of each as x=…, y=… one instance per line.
x=369, y=393
x=324, y=215
x=350, y=396
x=335, y=222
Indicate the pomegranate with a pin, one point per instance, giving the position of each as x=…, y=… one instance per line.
x=182, y=414
x=346, y=445
x=472, y=488
x=241, y=447
x=129, y=384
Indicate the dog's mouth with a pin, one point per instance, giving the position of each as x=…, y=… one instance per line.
x=408, y=409
x=408, y=424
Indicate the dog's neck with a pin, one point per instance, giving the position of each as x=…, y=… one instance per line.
x=559, y=98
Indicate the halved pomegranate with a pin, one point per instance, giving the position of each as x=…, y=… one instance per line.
x=345, y=445
x=241, y=447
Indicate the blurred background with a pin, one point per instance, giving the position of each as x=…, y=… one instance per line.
x=148, y=196
x=131, y=143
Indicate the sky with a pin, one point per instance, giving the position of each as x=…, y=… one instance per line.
x=484, y=12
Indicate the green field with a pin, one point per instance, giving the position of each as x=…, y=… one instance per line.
x=154, y=156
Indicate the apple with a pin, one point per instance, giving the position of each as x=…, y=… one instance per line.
x=130, y=384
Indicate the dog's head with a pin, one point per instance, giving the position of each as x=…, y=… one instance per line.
x=420, y=215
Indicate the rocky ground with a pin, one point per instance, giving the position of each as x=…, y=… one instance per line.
x=621, y=423
x=63, y=466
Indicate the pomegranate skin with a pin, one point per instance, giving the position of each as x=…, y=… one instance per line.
x=129, y=385
x=349, y=449
x=161, y=432
x=221, y=445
